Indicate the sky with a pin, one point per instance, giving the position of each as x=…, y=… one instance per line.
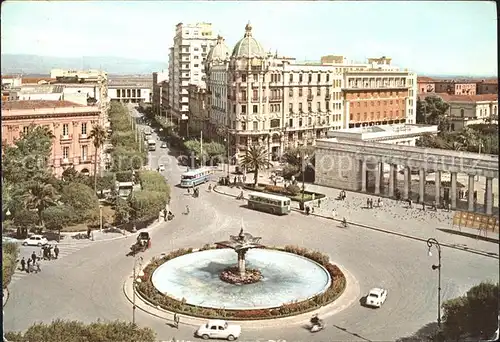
x=432, y=38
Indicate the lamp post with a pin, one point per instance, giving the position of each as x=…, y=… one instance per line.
x=134, y=282
x=433, y=242
x=303, y=159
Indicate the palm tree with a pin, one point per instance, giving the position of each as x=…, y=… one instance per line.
x=256, y=158
x=98, y=135
x=40, y=196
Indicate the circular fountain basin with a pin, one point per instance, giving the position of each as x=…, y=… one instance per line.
x=287, y=277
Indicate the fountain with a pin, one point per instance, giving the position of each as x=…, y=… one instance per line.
x=240, y=243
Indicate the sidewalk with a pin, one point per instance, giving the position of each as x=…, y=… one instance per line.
x=393, y=217
x=351, y=294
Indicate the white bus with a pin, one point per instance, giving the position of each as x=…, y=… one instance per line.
x=151, y=145
x=194, y=177
x=273, y=204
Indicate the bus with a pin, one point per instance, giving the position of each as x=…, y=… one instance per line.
x=271, y=203
x=151, y=145
x=194, y=177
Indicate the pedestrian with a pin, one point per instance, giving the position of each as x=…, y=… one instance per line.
x=38, y=269
x=176, y=320
x=410, y=203
x=368, y=203
x=189, y=190
x=418, y=198
x=88, y=233
x=209, y=187
x=28, y=266
x=56, y=251
x=449, y=206
x=308, y=210
x=423, y=206
x=187, y=209
x=33, y=257
x=319, y=203
x=23, y=264
x=334, y=213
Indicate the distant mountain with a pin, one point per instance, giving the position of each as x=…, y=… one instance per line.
x=33, y=64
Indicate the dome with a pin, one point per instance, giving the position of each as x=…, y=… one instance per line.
x=248, y=46
x=219, y=51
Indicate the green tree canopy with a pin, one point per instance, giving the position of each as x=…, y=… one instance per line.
x=83, y=201
x=74, y=331
x=40, y=196
x=147, y=204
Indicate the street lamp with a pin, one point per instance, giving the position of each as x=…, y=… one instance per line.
x=303, y=161
x=134, y=282
x=433, y=242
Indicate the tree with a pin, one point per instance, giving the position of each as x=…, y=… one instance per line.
x=74, y=331
x=122, y=211
x=56, y=217
x=147, y=204
x=82, y=200
x=98, y=135
x=40, y=196
x=10, y=252
x=433, y=111
x=256, y=158
x=6, y=196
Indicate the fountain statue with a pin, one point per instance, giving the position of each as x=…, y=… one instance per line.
x=241, y=243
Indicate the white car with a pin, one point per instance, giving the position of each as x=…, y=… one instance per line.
x=376, y=297
x=161, y=168
x=219, y=329
x=35, y=240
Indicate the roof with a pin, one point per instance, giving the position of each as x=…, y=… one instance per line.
x=248, y=46
x=266, y=195
x=466, y=98
x=35, y=104
x=425, y=79
x=216, y=322
x=196, y=171
x=377, y=290
x=219, y=52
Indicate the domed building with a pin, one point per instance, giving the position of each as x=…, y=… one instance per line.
x=219, y=53
x=248, y=46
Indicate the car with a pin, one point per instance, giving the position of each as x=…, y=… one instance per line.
x=161, y=168
x=376, y=297
x=219, y=329
x=164, y=145
x=36, y=240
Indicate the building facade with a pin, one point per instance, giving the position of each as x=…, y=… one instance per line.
x=455, y=87
x=69, y=122
x=158, y=78
x=469, y=110
x=255, y=97
x=187, y=56
x=198, y=110
x=426, y=85
x=487, y=87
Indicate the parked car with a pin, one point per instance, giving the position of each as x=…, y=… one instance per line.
x=219, y=329
x=376, y=297
x=35, y=240
x=164, y=145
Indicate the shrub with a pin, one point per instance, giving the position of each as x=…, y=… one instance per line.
x=122, y=211
x=275, y=188
x=153, y=181
x=25, y=218
x=57, y=217
x=82, y=200
x=124, y=138
x=124, y=176
x=293, y=189
x=10, y=252
x=147, y=204
x=125, y=159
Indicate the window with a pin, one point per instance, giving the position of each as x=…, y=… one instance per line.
x=318, y=106
x=300, y=122
x=255, y=126
x=138, y=93
x=290, y=122
x=234, y=109
x=300, y=107
x=319, y=78
x=243, y=109
x=327, y=105
x=65, y=130
x=65, y=152
x=26, y=129
x=256, y=77
x=310, y=78
x=196, y=57
x=255, y=94
x=300, y=91
x=327, y=119
x=118, y=92
x=244, y=126
x=291, y=78
x=128, y=92
x=290, y=107
x=85, y=150
x=84, y=128
x=328, y=77
x=309, y=107
x=300, y=78
x=318, y=91
x=309, y=121
x=243, y=78
x=290, y=93
x=196, y=65
x=196, y=49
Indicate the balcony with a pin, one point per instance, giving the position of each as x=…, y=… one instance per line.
x=65, y=161
x=310, y=97
x=255, y=99
x=255, y=84
x=275, y=99
x=84, y=137
x=86, y=159
x=66, y=137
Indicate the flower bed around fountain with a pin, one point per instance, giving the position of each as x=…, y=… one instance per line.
x=148, y=291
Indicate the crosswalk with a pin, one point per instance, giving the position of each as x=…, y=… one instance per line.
x=64, y=251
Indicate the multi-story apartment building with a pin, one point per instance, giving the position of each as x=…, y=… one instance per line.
x=455, y=87
x=256, y=97
x=158, y=78
x=192, y=42
x=69, y=122
x=164, y=97
x=426, y=85
x=487, y=87
x=198, y=110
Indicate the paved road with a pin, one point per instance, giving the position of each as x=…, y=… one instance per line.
x=86, y=284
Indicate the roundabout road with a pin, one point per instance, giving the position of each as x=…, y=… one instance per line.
x=87, y=284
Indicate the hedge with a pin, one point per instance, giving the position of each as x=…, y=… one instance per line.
x=10, y=252
x=153, y=181
x=83, y=200
x=289, y=192
x=147, y=204
x=147, y=290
